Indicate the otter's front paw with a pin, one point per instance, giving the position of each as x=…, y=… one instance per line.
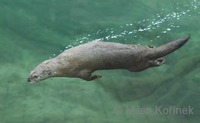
x=95, y=77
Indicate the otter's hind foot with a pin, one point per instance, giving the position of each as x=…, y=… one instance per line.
x=157, y=62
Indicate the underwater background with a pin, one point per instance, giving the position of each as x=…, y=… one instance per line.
x=32, y=31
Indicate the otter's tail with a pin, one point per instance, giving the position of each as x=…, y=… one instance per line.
x=168, y=48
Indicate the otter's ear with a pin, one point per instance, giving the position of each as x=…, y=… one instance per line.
x=48, y=72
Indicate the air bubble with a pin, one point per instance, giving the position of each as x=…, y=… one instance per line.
x=168, y=29
x=140, y=30
x=130, y=32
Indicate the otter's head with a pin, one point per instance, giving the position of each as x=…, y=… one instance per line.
x=41, y=72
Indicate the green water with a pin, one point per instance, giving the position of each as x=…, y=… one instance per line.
x=31, y=31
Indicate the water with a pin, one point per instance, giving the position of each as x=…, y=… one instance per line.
x=33, y=31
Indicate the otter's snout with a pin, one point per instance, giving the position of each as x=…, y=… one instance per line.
x=32, y=79
x=28, y=80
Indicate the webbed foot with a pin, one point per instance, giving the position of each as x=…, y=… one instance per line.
x=157, y=62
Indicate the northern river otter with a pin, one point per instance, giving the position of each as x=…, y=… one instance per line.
x=81, y=61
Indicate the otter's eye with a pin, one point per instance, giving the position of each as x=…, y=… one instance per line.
x=35, y=77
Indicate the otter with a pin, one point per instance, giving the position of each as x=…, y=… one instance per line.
x=81, y=61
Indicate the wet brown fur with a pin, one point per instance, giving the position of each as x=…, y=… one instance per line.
x=83, y=60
